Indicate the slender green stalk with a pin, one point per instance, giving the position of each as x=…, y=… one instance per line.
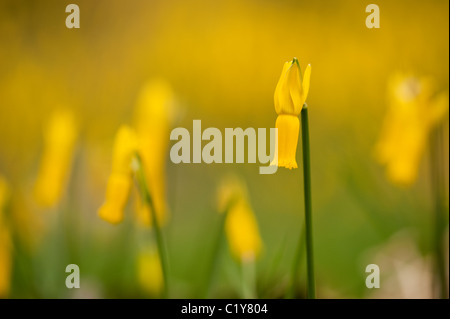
x=215, y=255
x=145, y=193
x=311, y=293
x=296, y=264
x=437, y=174
x=248, y=278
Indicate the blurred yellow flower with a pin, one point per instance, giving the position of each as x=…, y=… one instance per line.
x=152, y=121
x=5, y=243
x=241, y=227
x=4, y=192
x=229, y=191
x=148, y=138
x=121, y=179
x=242, y=231
x=412, y=114
x=149, y=271
x=290, y=96
x=59, y=142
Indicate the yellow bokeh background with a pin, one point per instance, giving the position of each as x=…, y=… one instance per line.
x=223, y=60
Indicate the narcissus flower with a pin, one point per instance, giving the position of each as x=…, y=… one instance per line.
x=149, y=271
x=59, y=142
x=241, y=227
x=290, y=96
x=148, y=138
x=152, y=120
x=5, y=243
x=121, y=179
x=414, y=111
x=242, y=231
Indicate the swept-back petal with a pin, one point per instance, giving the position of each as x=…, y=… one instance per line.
x=306, y=82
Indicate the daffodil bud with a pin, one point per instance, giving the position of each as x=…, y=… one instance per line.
x=120, y=180
x=290, y=96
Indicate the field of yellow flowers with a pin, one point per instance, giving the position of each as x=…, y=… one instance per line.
x=86, y=170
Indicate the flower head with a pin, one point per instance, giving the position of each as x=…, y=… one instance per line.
x=292, y=88
x=412, y=114
x=121, y=179
x=148, y=139
x=152, y=120
x=290, y=96
x=59, y=142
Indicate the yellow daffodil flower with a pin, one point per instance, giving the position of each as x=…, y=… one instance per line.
x=149, y=271
x=152, y=122
x=241, y=227
x=290, y=96
x=121, y=179
x=242, y=231
x=148, y=139
x=5, y=243
x=412, y=114
x=59, y=142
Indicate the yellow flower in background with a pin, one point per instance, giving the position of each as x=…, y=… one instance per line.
x=152, y=120
x=229, y=191
x=120, y=181
x=242, y=231
x=290, y=96
x=4, y=192
x=241, y=226
x=412, y=114
x=5, y=243
x=149, y=139
x=149, y=271
x=60, y=136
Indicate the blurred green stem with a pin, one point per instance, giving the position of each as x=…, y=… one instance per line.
x=145, y=193
x=311, y=293
x=248, y=278
x=215, y=255
x=296, y=264
x=438, y=184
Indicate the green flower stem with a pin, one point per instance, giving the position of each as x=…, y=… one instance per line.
x=145, y=193
x=296, y=264
x=311, y=293
x=248, y=278
x=217, y=247
x=438, y=182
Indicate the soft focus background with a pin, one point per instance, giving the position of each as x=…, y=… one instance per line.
x=223, y=60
